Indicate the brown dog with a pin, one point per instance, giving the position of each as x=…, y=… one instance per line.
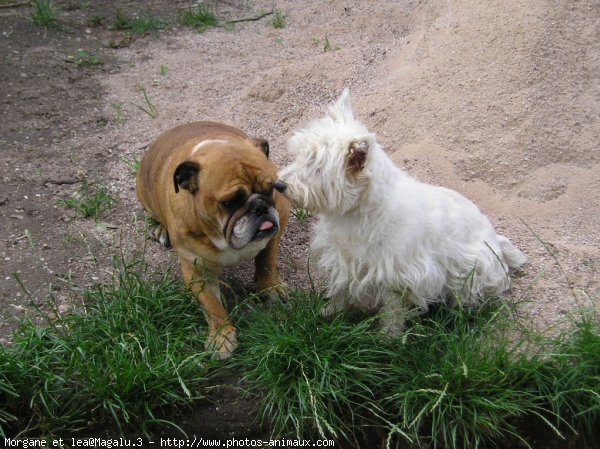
x=213, y=191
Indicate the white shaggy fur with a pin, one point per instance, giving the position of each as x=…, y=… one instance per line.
x=385, y=240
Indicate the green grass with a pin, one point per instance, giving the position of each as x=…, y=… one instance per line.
x=301, y=214
x=132, y=354
x=458, y=381
x=91, y=200
x=96, y=20
x=44, y=14
x=150, y=222
x=7, y=395
x=84, y=58
x=118, y=107
x=149, y=107
x=573, y=381
x=314, y=376
x=139, y=25
x=199, y=17
x=133, y=165
x=278, y=20
x=455, y=379
x=328, y=47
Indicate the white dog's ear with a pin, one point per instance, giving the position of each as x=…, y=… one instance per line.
x=357, y=155
x=341, y=109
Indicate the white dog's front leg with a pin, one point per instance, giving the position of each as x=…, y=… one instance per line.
x=336, y=304
x=396, y=309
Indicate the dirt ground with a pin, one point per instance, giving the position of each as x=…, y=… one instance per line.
x=498, y=100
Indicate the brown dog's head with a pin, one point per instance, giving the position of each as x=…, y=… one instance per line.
x=232, y=184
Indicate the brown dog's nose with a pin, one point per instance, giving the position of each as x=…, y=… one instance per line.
x=280, y=186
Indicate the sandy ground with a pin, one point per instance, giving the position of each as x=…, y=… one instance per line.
x=498, y=100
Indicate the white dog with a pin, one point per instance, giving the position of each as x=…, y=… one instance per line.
x=385, y=240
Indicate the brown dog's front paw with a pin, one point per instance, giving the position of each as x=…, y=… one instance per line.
x=274, y=293
x=222, y=341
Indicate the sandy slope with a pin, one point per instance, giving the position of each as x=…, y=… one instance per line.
x=498, y=100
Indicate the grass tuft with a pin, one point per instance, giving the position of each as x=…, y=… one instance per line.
x=139, y=25
x=90, y=201
x=199, y=17
x=314, y=376
x=573, y=381
x=328, y=47
x=134, y=351
x=455, y=379
x=149, y=107
x=7, y=394
x=133, y=165
x=278, y=20
x=44, y=14
x=84, y=58
x=301, y=214
x=118, y=107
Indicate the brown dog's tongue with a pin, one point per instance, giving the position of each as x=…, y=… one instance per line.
x=266, y=225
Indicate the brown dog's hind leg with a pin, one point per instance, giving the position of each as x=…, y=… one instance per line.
x=161, y=234
x=156, y=230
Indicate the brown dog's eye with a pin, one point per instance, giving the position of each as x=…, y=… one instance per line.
x=228, y=204
x=231, y=204
x=235, y=202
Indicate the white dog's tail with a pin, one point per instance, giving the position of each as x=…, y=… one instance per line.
x=511, y=255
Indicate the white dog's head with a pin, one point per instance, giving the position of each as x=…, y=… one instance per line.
x=332, y=161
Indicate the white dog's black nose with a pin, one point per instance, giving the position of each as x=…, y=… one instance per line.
x=280, y=186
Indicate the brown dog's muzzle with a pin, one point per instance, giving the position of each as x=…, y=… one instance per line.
x=256, y=220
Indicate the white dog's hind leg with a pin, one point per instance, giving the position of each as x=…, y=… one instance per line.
x=512, y=256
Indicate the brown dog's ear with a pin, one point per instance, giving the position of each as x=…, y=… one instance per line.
x=186, y=176
x=263, y=145
x=357, y=155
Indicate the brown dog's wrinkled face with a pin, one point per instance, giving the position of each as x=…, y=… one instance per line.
x=248, y=216
x=232, y=187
